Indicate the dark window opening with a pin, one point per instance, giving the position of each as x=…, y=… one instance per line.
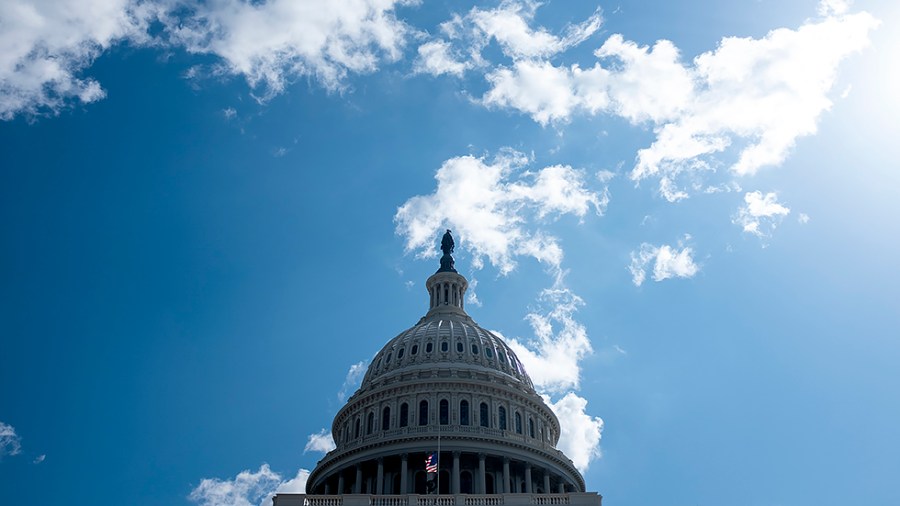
x=429, y=347
x=445, y=412
x=404, y=414
x=465, y=482
x=483, y=416
x=400, y=353
x=445, y=346
x=531, y=427
x=464, y=412
x=518, y=423
x=356, y=429
x=386, y=418
x=370, y=423
x=423, y=413
x=502, y=413
x=489, y=353
x=474, y=349
x=414, y=350
x=459, y=347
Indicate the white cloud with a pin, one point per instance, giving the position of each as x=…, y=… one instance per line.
x=668, y=262
x=552, y=358
x=580, y=433
x=488, y=205
x=270, y=43
x=742, y=105
x=509, y=24
x=803, y=218
x=351, y=381
x=44, y=46
x=319, y=442
x=247, y=488
x=761, y=213
x=40, y=458
x=229, y=112
x=10, y=443
x=436, y=58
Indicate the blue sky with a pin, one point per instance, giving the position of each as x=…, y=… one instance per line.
x=681, y=214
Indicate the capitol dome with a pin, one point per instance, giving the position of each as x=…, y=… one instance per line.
x=449, y=388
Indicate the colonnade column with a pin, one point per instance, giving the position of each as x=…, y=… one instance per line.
x=505, y=488
x=562, y=487
x=546, y=481
x=403, y=473
x=327, y=488
x=455, y=480
x=357, y=487
x=340, y=489
x=528, y=478
x=379, y=486
x=482, y=482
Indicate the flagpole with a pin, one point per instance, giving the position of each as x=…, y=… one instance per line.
x=439, y=462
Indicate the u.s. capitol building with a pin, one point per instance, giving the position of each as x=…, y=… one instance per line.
x=450, y=390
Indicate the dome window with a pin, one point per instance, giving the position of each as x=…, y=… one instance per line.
x=474, y=349
x=387, y=360
x=414, y=350
x=489, y=353
x=501, y=357
x=400, y=353
x=429, y=347
x=464, y=412
x=484, y=418
x=459, y=347
x=445, y=412
x=445, y=346
x=386, y=418
x=423, y=413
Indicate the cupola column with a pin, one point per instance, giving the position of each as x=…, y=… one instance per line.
x=403, y=472
x=455, y=480
x=357, y=486
x=482, y=482
x=528, y=487
x=379, y=486
x=505, y=487
x=547, y=481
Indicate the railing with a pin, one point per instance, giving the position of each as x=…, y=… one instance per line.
x=568, y=499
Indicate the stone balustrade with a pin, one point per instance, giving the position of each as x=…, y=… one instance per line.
x=569, y=499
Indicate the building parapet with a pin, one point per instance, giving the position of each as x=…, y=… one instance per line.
x=568, y=499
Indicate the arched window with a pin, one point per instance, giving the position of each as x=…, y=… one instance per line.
x=414, y=350
x=445, y=346
x=400, y=353
x=423, y=413
x=474, y=349
x=489, y=353
x=445, y=482
x=465, y=482
x=531, y=427
x=518, y=423
x=464, y=412
x=370, y=423
x=386, y=418
x=483, y=417
x=404, y=414
x=459, y=347
x=445, y=412
x=419, y=483
x=429, y=347
x=489, y=484
x=356, y=429
x=502, y=412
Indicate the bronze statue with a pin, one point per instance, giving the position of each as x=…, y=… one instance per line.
x=447, y=246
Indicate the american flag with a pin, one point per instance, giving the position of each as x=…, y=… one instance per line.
x=431, y=463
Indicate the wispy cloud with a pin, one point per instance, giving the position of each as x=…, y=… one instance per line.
x=351, y=381
x=321, y=442
x=248, y=488
x=10, y=443
x=760, y=213
x=667, y=261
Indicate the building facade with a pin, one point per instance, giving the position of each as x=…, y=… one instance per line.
x=448, y=387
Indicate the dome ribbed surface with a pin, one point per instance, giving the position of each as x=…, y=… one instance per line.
x=444, y=339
